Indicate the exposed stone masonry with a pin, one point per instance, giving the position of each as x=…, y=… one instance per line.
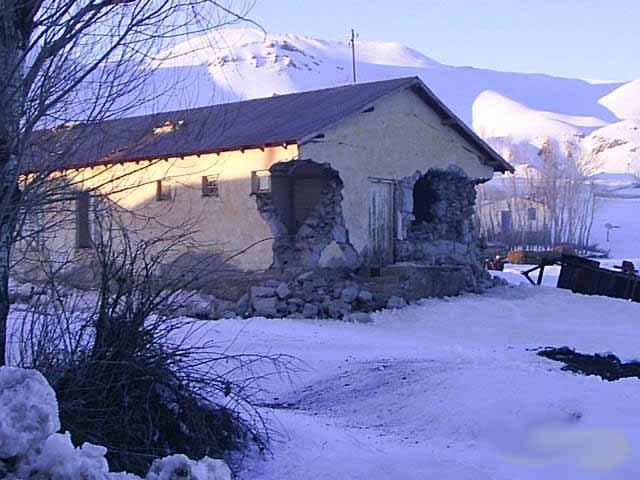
x=440, y=231
x=322, y=238
x=316, y=271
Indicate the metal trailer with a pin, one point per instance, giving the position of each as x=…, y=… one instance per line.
x=586, y=276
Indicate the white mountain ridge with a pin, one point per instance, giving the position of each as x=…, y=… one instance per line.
x=515, y=112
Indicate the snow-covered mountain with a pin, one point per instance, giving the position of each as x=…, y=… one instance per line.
x=515, y=112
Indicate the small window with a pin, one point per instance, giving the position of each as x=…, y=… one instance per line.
x=261, y=181
x=165, y=190
x=210, y=186
x=531, y=214
x=83, y=227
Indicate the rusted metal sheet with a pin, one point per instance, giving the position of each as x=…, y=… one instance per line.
x=581, y=275
x=586, y=276
x=381, y=221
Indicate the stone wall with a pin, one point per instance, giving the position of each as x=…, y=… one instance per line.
x=435, y=229
x=441, y=230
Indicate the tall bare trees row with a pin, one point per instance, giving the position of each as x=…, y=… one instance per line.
x=551, y=203
x=564, y=186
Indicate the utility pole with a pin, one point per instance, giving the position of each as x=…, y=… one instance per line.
x=353, y=53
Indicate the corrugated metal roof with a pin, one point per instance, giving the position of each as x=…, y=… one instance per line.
x=277, y=120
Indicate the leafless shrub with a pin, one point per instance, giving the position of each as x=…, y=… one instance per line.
x=130, y=374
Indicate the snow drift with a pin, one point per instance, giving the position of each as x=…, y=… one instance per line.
x=30, y=448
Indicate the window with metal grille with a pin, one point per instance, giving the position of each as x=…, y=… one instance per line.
x=261, y=181
x=210, y=187
x=531, y=214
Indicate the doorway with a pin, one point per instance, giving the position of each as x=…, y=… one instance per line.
x=381, y=224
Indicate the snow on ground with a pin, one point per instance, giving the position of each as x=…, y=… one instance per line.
x=623, y=213
x=451, y=388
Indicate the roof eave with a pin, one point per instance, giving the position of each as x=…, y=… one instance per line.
x=491, y=157
x=106, y=161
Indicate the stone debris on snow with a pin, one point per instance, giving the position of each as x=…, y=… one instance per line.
x=320, y=293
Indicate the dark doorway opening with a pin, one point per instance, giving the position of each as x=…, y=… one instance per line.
x=424, y=197
x=297, y=193
x=304, y=210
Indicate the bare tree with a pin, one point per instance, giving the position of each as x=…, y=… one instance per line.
x=562, y=191
x=129, y=372
x=565, y=186
x=80, y=60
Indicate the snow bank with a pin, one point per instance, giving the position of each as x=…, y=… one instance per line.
x=28, y=411
x=30, y=448
x=182, y=467
x=59, y=459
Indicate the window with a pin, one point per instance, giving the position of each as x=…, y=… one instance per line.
x=164, y=190
x=83, y=227
x=210, y=186
x=531, y=214
x=261, y=181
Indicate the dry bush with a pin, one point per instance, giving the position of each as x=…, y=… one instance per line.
x=132, y=376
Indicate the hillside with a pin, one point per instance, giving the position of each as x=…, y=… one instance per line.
x=506, y=108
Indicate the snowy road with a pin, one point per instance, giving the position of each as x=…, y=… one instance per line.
x=452, y=389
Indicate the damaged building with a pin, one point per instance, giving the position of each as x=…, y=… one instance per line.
x=364, y=177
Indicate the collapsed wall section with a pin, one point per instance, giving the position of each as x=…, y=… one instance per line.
x=434, y=227
x=304, y=211
x=436, y=224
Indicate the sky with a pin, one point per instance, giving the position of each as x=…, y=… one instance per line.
x=594, y=39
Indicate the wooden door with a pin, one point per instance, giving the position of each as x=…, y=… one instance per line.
x=381, y=224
